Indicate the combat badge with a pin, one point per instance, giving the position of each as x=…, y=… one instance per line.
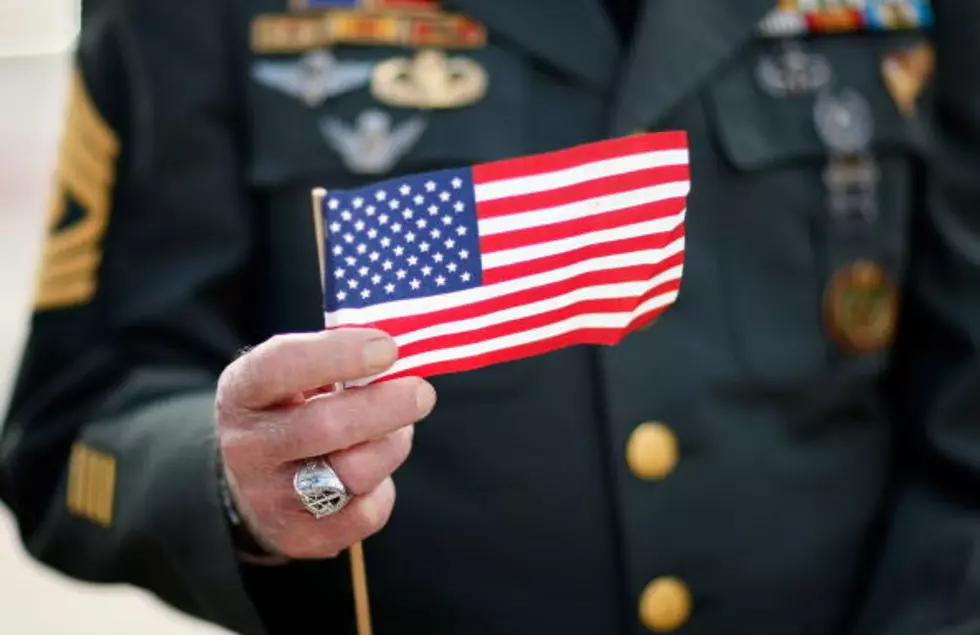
x=429, y=81
x=314, y=78
x=372, y=145
x=844, y=121
x=91, y=484
x=80, y=205
x=861, y=307
x=793, y=72
x=906, y=74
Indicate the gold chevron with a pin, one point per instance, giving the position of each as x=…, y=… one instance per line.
x=91, y=484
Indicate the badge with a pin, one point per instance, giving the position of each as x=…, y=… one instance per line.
x=794, y=72
x=861, y=307
x=844, y=121
x=852, y=184
x=90, y=492
x=906, y=74
x=372, y=145
x=314, y=78
x=430, y=80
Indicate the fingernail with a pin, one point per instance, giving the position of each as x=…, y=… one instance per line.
x=379, y=354
x=425, y=397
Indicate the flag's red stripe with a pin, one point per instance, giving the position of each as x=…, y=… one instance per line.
x=400, y=325
x=583, y=191
x=587, y=153
x=581, y=226
x=584, y=307
x=596, y=336
x=608, y=248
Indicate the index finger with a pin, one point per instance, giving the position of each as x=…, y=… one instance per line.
x=286, y=365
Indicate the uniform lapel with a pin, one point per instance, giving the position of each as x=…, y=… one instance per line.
x=574, y=36
x=679, y=43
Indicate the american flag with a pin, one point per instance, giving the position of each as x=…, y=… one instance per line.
x=485, y=264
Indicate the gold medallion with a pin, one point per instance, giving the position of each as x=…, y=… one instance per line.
x=861, y=307
x=430, y=80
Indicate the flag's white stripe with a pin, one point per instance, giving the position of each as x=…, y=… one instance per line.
x=492, y=190
x=584, y=208
x=599, y=291
x=419, y=306
x=579, y=322
x=517, y=255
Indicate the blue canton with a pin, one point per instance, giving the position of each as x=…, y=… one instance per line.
x=400, y=239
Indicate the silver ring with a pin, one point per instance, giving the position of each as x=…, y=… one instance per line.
x=320, y=489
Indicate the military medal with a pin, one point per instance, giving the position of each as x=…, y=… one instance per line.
x=861, y=307
x=802, y=17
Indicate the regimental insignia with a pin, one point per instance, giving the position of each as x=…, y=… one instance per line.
x=314, y=78
x=906, y=75
x=91, y=484
x=800, y=17
x=372, y=145
x=326, y=24
x=861, y=307
x=431, y=80
x=79, y=206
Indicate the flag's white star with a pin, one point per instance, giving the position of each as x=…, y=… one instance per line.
x=400, y=274
x=370, y=210
x=394, y=204
x=405, y=189
x=346, y=215
x=396, y=227
x=341, y=296
x=366, y=293
x=348, y=237
x=450, y=243
x=464, y=254
x=459, y=207
x=333, y=204
x=444, y=197
x=383, y=219
x=338, y=273
x=457, y=183
x=385, y=242
x=387, y=265
x=363, y=271
x=350, y=260
x=451, y=267
x=375, y=279
x=465, y=277
x=419, y=199
x=440, y=281
x=435, y=233
x=335, y=227
x=407, y=214
x=448, y=220
x=433, y=210
x=337, y=250
x=423, y=247
x=430, y=186
x=412, y=261
x=426, y=270
x=421, y=223
x=461, y=230
x=381, y=195
x=399, y=250
x=352, y=283
x=389, y=288
x=415, y=284
x=358, y=201
x=374, y=256
x=410, y=237
x=359, y=226
x=362, y=248
x=372, y=233
x=437, y=257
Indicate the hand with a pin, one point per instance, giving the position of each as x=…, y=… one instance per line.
x=272, y=412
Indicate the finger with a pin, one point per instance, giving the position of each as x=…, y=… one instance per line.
x=364, y=467
x=338, y=421
x=364, y=516
x=287, y=365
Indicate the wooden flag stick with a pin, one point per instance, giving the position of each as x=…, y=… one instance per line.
x=362, y=607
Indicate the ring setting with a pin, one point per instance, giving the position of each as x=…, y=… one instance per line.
x=320, y=489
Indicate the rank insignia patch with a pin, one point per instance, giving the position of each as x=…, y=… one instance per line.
x=91, y=484
x=80, y=204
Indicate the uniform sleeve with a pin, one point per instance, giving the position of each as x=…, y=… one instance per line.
x=108, y=455
x=928, y=578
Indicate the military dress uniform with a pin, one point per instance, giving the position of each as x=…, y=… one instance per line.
x=793, y=447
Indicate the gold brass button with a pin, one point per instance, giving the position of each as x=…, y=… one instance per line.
x=651, y=451
x=665, y=605
x=861, y=307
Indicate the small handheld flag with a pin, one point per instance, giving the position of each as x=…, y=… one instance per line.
x=486, y=264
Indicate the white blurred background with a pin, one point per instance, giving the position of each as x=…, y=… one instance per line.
x=36, y=37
